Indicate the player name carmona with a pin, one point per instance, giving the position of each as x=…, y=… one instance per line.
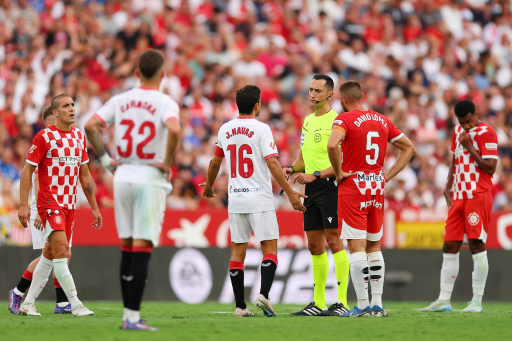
x=369, y=117
x=138, y=104
x=239, y=131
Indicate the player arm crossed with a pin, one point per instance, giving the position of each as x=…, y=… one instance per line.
x=88, y=188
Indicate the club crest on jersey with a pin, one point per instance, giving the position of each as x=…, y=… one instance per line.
x=318, y=137
x=48, y=200
x=473, y=218
x=32, y=148
x=57, y=219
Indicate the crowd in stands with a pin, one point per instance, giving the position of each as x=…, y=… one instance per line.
x=414, y=59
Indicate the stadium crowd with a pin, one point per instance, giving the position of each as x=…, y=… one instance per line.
x=414, y=59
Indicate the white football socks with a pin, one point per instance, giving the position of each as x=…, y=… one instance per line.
x=359, y=274
x=39, y=278
x=66, y=281
x=479, y=276
x=133, y=316
x=376, y=269
x=449, y=274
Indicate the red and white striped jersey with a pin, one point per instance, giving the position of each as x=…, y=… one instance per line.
x=58, y=155
x=468, y=178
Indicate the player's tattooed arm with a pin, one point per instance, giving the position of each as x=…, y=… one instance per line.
x=92, y=130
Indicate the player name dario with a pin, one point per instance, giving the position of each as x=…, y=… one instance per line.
x=369, y=117
x=239, y=131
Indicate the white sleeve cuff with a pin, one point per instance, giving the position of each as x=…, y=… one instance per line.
x=489, y=157
x=397, y=138
x=32, y=163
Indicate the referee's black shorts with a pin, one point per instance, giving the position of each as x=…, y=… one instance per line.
x=321, y=205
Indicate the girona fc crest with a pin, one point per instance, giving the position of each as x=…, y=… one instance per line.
x=32, y=148
x=473, y=218
x=58, y=219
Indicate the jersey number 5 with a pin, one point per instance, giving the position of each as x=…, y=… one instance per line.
x=129, y=139
x=241, y=161
x=370, y=146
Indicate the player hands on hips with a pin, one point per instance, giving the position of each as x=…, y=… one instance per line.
x=314, y=169
x=61, y=152
x=250, y=152
x=364, y=135
x=469, y=199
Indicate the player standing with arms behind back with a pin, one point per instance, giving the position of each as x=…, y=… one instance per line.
x=146, y=121
x=251, y=154
x=364, y=135
x=59, y=151
x=468, y=195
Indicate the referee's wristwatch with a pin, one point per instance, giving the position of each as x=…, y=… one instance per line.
x=317, y=174
x=293, y=168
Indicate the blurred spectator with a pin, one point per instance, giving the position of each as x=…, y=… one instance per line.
x=414, y=60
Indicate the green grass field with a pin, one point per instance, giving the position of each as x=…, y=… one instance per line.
x=213, y=321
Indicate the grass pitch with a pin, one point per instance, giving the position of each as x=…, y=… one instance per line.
x=213, y=321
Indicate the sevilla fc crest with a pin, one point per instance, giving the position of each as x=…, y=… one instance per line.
x=58, y=219
x=473, y=218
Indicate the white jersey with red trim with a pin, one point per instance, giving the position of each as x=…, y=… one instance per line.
x=139, y=116
x=247, y=143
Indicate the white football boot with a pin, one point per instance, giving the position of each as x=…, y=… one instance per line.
x=81, y=310
x=265, y=305
x=239, y=312
x=473, y=307
x=29, y=310
x=442, y=306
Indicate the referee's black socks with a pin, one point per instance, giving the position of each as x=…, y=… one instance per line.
x=268, y=271
x=236, y=273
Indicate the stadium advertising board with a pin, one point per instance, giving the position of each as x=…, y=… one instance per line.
x=405, y=229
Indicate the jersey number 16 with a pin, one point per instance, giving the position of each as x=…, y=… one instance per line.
x=242, y=162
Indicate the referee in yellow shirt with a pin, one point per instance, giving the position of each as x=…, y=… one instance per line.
x=321, y=215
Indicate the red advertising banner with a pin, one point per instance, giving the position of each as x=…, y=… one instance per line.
x=407, y=229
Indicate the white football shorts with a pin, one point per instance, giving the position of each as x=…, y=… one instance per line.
x=263, y=224
x=348, y=232
x=38, y=237
x=139, y=211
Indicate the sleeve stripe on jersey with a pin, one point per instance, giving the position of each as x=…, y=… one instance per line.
x=219, y=152
x=32, y=163
x=271, y=155
x=99, y=118
x=397, y=138
x=84, y=162
x=490, y=157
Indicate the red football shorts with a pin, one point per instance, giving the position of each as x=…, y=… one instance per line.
x=58, y=220
x=360, y=216
x=469, y=216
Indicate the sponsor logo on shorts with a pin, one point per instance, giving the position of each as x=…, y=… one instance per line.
x=58, y=220
x=473, y=218
x=245, y=190
x=491, y=146
x=374, y=203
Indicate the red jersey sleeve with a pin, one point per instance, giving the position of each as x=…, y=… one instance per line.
x=219, y=152
x=454, y=141
x=340, y=124
x=394, y=132
x=37, y=150
x=488, y=144
x=85, y=154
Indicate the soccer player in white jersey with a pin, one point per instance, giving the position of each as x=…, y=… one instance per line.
x=469, y=199
x=60, y=151
x=38, y=241
x=250, y=152
x=146, y=121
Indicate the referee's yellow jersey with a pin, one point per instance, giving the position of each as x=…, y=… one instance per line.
x=313, y=141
